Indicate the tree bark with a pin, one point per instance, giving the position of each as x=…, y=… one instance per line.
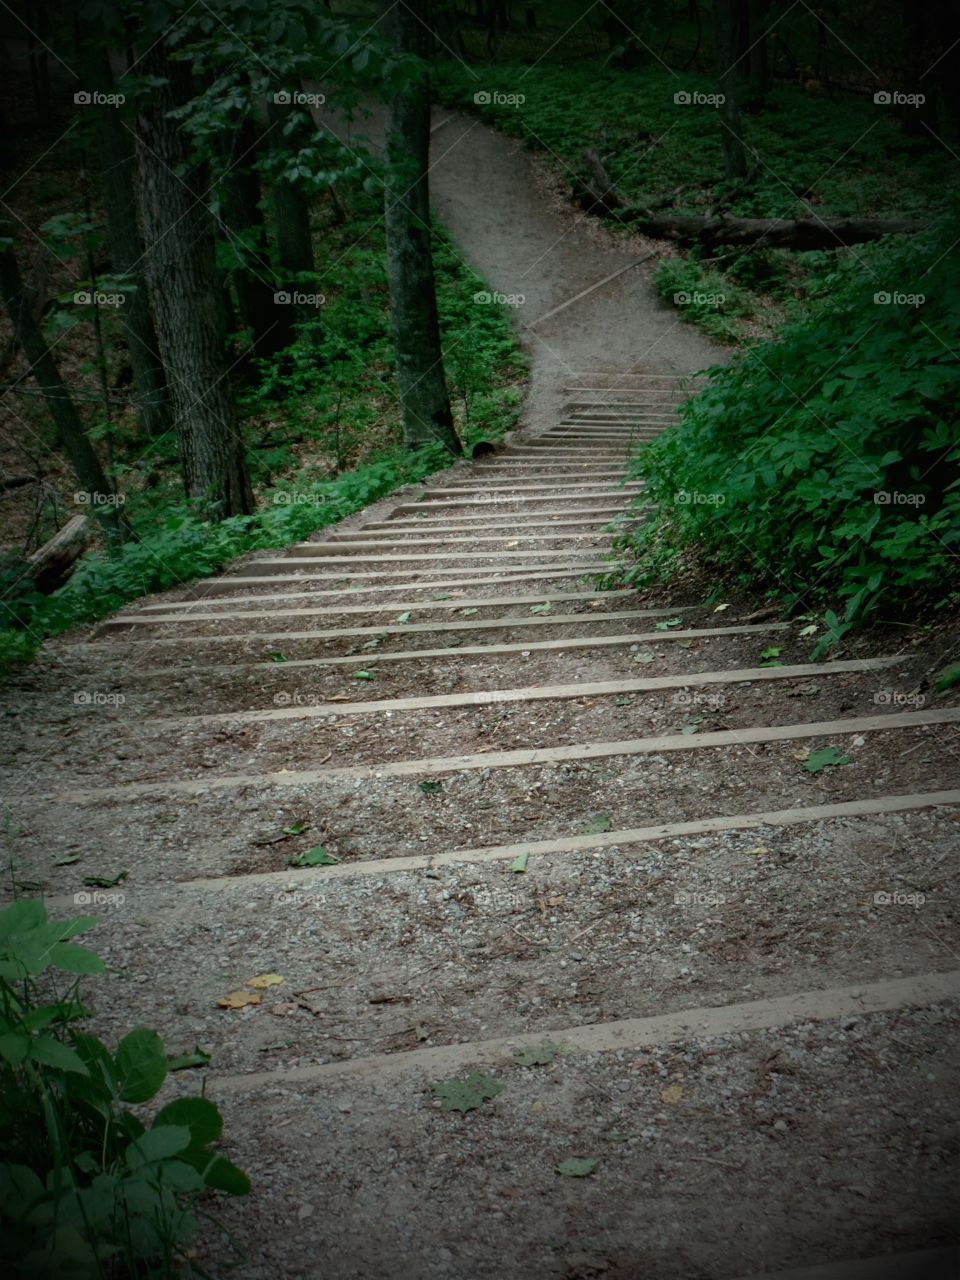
x=724, y=34
x=178, y=229
x=271, y=326
x=99, y=490
x=772, y=233
x=54, y=562
x=427, y=417
x=292, y=217
x=118, y=183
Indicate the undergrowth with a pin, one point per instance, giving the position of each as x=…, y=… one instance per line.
x=87, y=1189
x=825, y=466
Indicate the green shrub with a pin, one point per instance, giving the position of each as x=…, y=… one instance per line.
x=826, y=464
x=86, y=1189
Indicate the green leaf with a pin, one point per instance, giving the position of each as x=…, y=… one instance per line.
x=823, y=759
x=72, y=958
x=574, y=1168
x=404, y=617
x=159, y=1143
x=52, y=1053
x=183, y=1061
x=538, y=1056
x=468, y=1094
x=105, y=882
x=276, y=657
x=316, y=857
x=141, y=1065
x=544, y=608
x=15, y=1046
x=520, y=862
x=199, y=1115
x=430, y=788
x=599, y=823
x=362, y=675
x=771, y=651
x=947, y=678
x=668, y=623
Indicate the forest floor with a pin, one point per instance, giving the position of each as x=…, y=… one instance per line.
x=585, y=850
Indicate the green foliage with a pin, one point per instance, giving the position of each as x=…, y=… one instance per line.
x=706, y=298
x=838, y=154
x=86, y=1189
x=826, y=464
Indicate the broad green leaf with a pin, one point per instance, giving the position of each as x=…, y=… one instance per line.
x=52, y=1053
x=183, y=1061
x=538, y=1056
x=824, y=758
x=362, y=675
x=200, y=1116
x=159, y=1143
x=430, y=788
x=141, y=1065
x=520, y=862
x=574, y=1168
x=316, y=857
x=468, y=1094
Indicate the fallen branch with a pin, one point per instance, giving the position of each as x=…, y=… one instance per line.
x=53, y=563
x=599, y=195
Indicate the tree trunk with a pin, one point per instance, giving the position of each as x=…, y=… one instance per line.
x=178, y=229
x=427, y=417
x=724, y=33
x=759, y=71
x=98, y=491
x=271, y=326
x=771, y=233
x=54, y=562
x=118, y=173
x=292, y=216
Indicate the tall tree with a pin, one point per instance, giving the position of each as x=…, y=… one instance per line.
x=725, y=47
x=70, y=430
x=416, y=329
x=270, y=326
x=117, y=158
x=291, y=206
x=181, y=271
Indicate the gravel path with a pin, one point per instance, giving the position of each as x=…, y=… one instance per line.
x=723, y=980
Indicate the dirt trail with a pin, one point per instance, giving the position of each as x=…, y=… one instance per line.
x=578, y=851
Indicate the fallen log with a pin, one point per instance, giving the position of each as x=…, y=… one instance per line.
x=599, y=195
x=772, y=233
x=52, y=564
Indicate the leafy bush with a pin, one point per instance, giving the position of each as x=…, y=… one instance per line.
x=86, y=1189
x=827, y=464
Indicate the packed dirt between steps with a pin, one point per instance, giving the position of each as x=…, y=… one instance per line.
x=442, y=957
x=149, y=839
x=786, y=1147
x=191, y=751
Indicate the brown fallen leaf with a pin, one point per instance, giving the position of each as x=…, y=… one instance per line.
x=284, y=1009
x=238, y=999
x=339, y=697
